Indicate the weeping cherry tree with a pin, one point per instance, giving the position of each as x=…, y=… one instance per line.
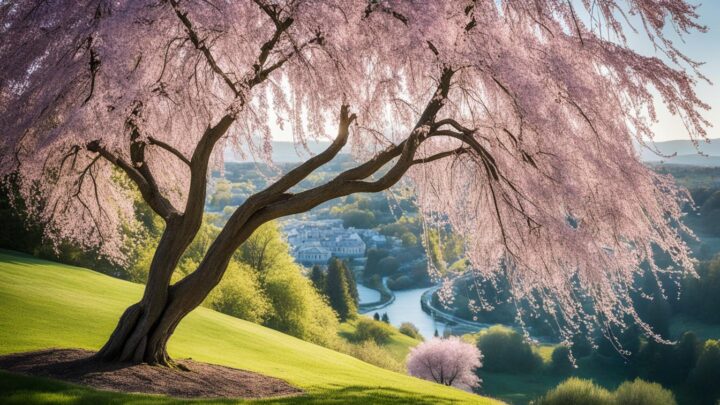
x=516, y=122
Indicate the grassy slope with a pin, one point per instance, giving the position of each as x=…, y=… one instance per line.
x=399, y=345
x=45, y=304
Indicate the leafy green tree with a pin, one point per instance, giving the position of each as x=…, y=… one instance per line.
x=701, y=295
x=239, y=295
x=388, y=266
x=560, y=360
x=706, y=374
x=372, y=266
x=435, y=251
x=505, y=350
x=297, y=308
x=337, y=291
x=385, y=317
x=265, y=249
x=318, y=278
x=358, y=219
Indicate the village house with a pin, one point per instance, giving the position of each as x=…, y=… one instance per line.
x=315, y=242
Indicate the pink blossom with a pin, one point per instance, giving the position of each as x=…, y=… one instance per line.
x=448, y=361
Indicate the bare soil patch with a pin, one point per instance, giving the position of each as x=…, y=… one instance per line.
x=202, y=381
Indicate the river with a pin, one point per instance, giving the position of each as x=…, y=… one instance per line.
x=367, y=295
x=405, y=308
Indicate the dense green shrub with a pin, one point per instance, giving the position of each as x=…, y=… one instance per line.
x=505, y=350
x=401, y=283
x=298, y=309
x=641, y=392
x=368, y=352
x=582, y=346
x=239, y=295
x=357, y=218
x=575, y=391
x=388, y=265
x=368, y=330
x=668, y=364
x=706, y=374
x=560, y=360
x=701, y=296
x=408, y=329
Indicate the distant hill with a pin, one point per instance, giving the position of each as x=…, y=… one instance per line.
x=283, y=152
x=686, y=152
x=288, y=152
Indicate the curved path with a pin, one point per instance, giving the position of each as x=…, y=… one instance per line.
x=428, y=306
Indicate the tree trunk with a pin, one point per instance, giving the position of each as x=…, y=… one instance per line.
x=144, y=329
x=129, y=340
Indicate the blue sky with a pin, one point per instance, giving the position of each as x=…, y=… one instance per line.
x=703, y=47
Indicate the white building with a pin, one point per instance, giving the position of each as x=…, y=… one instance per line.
x=312, y=255
x=314, y=242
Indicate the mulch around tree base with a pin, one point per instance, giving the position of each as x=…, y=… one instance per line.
x=202, y=381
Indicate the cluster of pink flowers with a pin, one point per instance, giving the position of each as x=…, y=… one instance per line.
x=448, y=361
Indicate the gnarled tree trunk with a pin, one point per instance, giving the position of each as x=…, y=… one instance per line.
x=145, y=328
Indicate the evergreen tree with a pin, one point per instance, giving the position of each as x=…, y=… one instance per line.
x=376, y=316
x=336, y=289
x=351, y=283
x=318, y=278
x=385, y=318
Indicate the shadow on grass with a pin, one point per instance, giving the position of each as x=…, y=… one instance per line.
x=19, y=389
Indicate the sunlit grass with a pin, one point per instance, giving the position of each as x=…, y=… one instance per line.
x=45, y=304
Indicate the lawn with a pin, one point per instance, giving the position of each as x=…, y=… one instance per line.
x=399, y=345
x=45, y=304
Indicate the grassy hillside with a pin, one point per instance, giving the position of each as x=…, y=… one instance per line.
x=45, y=304
x=399, y=345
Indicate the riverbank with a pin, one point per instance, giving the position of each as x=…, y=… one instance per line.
x=387, y=297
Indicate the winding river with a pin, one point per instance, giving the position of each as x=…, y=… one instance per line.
x=405, y=308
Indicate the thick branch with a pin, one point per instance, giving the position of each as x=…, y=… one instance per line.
x=299, y=173
x=149, y=191
x=441, y=155
x=170, y=149
x=199, y=166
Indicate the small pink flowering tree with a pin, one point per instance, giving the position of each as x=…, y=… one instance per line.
x=508, y=117
x=446, y=361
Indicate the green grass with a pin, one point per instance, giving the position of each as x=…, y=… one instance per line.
x=399, y=345
x=45, y=304
x=545, y=350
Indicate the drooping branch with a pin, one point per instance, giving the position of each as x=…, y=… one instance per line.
x=202, y=47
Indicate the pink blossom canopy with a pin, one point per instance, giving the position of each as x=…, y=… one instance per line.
x=531, y=155
x=447, y=361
